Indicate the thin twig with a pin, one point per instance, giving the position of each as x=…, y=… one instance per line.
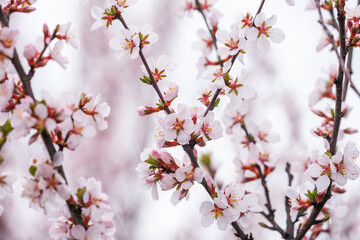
x=201, y=11
x=213, y=100
x=143, y=59
x=349, y=68
x=315, y=212
x=338, y=82
x=289, y=223
x=188, y=148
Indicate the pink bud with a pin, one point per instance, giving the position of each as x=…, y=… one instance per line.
x=30, y=51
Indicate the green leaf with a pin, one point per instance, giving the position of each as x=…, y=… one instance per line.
x=152, y=162
x=146, y=80
x=311, y=195
x=263, y=225
x=226, y=77
x=205, y=160
x=7, y=128
x=32, y=170
x=80, y=192
x=217, y=102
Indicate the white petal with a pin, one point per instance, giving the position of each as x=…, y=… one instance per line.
x=277, y=35
x=207, y=220
x=263, y=44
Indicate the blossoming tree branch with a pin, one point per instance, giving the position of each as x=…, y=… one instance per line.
x=315, y=182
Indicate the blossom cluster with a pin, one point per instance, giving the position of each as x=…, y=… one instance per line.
x=61, y=123
x=97, y=216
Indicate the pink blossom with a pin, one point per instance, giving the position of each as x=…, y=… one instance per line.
x=127, y=43
x=122, y=4
x=8, y=38
x=216, y=210
x=263, y=30
x=159, y=68
x=178, y=126
x=187, y=175
x=232, y=40
x=210, y=129
x=172, y=92
x=69, y=35
x=97, y=14
x=56, y=54
x=7, y=179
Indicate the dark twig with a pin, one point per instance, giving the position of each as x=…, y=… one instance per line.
x=338, y=82
x=143, y=59
x=315, y=212
x=201, y=11
x=289, y=223
x=349, y=68
x=188, y=148
x=213, y=100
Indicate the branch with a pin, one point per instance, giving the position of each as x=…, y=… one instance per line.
x=213, y=100
x=188, y=148
x=315, y=212
x=289, y=223
x=341, y=71
x=201, y=11
x=75, y=211
x=143, y=59
x=338, y=82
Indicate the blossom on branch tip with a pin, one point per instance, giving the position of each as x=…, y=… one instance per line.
x=262, y=30
x=122, y=4
x=69, y=35
x=55, y=54
x=171, y=93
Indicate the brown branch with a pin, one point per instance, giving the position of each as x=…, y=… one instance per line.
x=289, y=223
x=188, y=148
x=75, y=211
x=349, y=68
x=338, y=82
x=213, y=100
x=143, y=59
x=315, y=212
x=201, y=11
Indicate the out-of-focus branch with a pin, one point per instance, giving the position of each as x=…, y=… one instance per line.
x=75, y=211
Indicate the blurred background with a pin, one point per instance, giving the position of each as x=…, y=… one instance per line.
x=283, y=79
